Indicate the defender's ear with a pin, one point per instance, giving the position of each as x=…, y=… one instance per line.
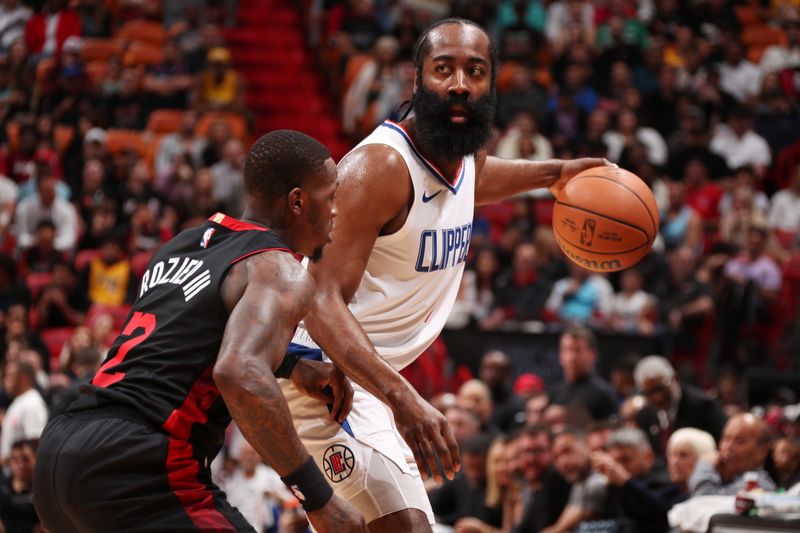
x=295, y=201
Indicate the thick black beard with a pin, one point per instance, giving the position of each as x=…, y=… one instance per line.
x=439, y=135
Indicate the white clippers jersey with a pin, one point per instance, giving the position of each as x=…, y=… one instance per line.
x=413, y=275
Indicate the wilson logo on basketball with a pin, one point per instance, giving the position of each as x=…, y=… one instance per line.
x=338, y=462
x=587, y=233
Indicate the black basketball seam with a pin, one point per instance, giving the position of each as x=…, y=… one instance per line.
x=647, y=209
x=637, y=228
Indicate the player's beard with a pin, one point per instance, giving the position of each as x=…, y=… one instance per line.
x=440, y=135
x=317, y=255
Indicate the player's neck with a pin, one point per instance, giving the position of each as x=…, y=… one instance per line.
x=448, y=167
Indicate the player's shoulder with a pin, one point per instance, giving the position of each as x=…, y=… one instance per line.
x=371, y=161
x=266, y=272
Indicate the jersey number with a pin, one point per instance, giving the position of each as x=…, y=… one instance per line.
x=146, y=321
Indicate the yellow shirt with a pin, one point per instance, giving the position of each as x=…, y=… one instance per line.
x=108, y=284
x=224, y=93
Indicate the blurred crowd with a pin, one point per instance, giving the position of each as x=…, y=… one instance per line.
x=590, y=455
x=124, y=121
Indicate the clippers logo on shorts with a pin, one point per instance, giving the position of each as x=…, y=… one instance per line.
x=338, y=462
x=587, y=234
x=177, y=271
x=443, y=248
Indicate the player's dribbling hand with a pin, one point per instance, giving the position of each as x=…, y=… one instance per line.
x=326, y=383
x=428, y=435
x=572, y=167
x=337, y=516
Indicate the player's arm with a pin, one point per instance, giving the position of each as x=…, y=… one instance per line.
x=498, y=179
x=373, y=197
x=266, y=295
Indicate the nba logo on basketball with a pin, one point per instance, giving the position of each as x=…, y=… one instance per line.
x=338, y=462
x=587, y=234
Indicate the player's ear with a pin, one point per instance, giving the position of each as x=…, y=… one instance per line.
x=296, y=201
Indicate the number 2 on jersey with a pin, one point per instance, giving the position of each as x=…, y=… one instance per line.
x=147, y=321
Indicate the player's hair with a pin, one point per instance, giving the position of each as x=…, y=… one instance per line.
x=422, y=47
x=280, y=161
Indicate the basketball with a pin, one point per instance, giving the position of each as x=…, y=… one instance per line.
x=605, y=219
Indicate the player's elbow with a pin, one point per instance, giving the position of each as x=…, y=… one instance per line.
x=226, y=375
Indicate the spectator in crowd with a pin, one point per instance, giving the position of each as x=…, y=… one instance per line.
x=685, y=447
x=125, y=108
x=255, y=489
x=582, y=387
x=522, y=95
x=684, y=301
x=465, y=495
x=67, y=88
x=739, y=144
x=17, y=513
x=744, y=448
x=101, y=223
x=45, y=205
x=21, y=162
x=95, y=18
x=109, y=278
x=786, y=461
x=523, y=140
x=778, y=57
x=566, y=18
x=628, y=130
x=620, y=375
x=13, y=17
x=495, y=372
x=63, y=388
x=463, y=422
x=167, y=85
x=8, y=201
x=182, y=142
x=784, y=215
x=474, y=395
x=677, y=405
x=745, y=178
x=42, y=256
x=735, y=223
x=738, y=77
x=638, y=490
x=632, y=310
x=535, y=407
x=64, y=302
x=751, y=287
x=218, y=135
x=27, y=415
x=12, y=290
x=229, y=177
x=588, y=494
x=545, y=492
x=219, y=86
x=520, y=291
x=583, y=296
x=47, y=30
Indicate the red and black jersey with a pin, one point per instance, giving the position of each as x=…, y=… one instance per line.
x=161, y=363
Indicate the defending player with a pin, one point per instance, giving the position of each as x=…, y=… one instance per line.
x=388, y=281
x=215, y=311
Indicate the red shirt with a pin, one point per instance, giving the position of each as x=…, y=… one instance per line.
x=69, y=24
x=705, y=199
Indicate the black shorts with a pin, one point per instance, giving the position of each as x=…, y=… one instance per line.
x=107, y=469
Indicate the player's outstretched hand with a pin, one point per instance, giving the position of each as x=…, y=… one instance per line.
x=428, y=435
x=326, y=383
x=337, y=516
x=572, y=167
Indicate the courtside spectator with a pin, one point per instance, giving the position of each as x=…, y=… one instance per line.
x=26, y=417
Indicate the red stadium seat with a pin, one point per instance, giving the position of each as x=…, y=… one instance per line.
x=36, y=281
x=100, y=49
x=141, y=30
x=83, y=258
x=54, y=339
x=163, y=121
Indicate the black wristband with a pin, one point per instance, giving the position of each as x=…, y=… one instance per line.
x=287, y=365
x=309, y=486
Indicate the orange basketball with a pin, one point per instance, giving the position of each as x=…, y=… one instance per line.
x=605, y=219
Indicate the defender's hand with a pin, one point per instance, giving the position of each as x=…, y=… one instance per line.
x=428, y=435
x=570, y=168
x=337, y=516
x=326, y=383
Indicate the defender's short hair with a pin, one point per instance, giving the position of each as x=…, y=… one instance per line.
x=280, y=161
x=422, y=47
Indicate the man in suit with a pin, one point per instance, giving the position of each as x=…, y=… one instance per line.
x=673, y=405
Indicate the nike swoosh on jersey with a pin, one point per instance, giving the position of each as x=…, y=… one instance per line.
x=426, y=199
